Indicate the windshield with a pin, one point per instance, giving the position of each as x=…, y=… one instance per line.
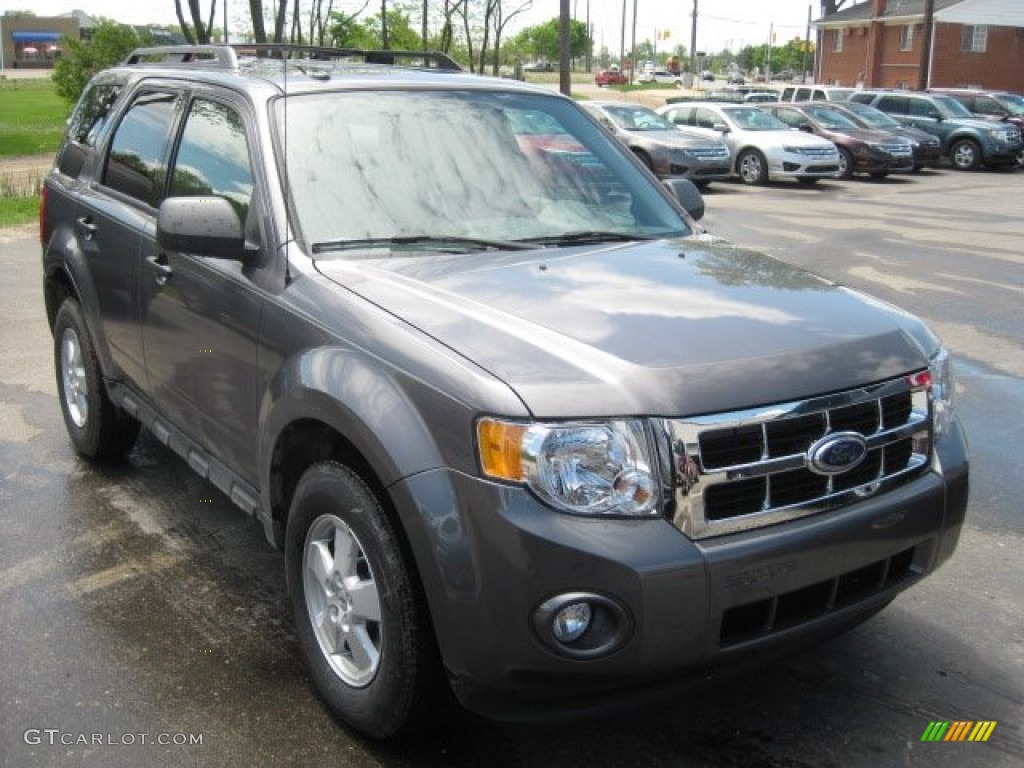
x=634, y=118
x=831, y=119
x=875, y=118
x=1012, y=103
x=754, y=119
x=433, y=166
x=950, y=107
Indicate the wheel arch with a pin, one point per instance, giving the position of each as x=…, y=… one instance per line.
x=337, y=404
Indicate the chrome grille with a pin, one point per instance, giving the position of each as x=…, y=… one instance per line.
x=742, y=470
x=898, y=150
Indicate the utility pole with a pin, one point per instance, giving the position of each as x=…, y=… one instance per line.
x=632, y=53
x=924, y=72
x=807, y=48
x=590, y=40
x=564, y=79
x=622, y=42
x=768, y=58
x=693, y=45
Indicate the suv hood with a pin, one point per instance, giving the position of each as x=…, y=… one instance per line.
x=660, y=328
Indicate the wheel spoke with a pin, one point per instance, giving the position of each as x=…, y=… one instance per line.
x=365, y=600
x=345, y=551
x=360, y=645
x=320, y=563
x=328, y=631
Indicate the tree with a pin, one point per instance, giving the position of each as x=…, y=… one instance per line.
x=542, y=39
x=81, y=59
x=348, y=31
x=197, y=31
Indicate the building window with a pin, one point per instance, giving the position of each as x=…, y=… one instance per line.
x=837, y=41
x=907, y=38
x=974, y=38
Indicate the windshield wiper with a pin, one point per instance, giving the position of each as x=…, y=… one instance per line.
x=448, y=243
x=586, y=236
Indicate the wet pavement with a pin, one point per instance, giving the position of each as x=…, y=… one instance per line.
x=138, y=606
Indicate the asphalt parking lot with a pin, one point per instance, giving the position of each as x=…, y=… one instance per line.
x=141, y=613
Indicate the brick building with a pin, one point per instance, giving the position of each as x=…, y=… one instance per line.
x=878, y=44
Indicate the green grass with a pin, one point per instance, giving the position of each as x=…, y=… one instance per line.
x=32, y=117
x=15, y=211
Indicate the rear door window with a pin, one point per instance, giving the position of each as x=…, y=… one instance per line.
x=896, y=105
x=137, y=163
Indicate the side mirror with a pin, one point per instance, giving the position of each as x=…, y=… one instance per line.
x=807, y=128
x=721, y=127
x=688, y=195
x=206, y=226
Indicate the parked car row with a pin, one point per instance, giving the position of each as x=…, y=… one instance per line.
x=960, y=119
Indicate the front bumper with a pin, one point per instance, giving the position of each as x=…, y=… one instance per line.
x=791, y=165
x=490, y=555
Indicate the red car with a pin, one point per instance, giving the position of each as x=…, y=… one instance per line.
x=610, y=77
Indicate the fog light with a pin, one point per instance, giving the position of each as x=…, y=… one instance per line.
x=571, y=622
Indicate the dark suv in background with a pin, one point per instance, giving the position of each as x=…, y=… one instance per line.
x=522, y=430
x=998, y=106
x=968, y=142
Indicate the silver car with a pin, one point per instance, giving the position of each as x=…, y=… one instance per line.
x=763, y=147
x=669, y=152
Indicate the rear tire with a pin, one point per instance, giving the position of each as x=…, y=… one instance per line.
x=359, y=618
x=98, y=429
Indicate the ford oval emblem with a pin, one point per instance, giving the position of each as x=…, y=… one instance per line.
x=836, y=453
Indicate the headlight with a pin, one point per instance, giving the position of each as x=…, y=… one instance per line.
x=792, y=150
x=601, y=468
x=941, y=369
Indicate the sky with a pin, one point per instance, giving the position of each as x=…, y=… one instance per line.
x=721, y=24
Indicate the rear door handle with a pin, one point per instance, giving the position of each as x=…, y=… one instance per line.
x=160, y=267
x=86, y=227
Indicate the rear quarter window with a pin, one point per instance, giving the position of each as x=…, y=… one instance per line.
x=86, y=126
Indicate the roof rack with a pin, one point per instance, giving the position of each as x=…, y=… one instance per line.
x=226, y=56
x=423, y=59
x=216, y=56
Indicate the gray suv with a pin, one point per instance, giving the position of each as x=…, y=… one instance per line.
x=969, y=142
x=523, y=432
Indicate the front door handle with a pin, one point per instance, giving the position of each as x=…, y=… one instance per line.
x=161, y=268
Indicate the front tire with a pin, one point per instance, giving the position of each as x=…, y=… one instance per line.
x=965, y=155
x=358, y=616
x=98, y=429
x=752, y=167
x=845, y=164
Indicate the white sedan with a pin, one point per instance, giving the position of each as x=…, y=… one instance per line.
x=762, y=146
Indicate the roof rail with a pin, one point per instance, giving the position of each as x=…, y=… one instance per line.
x=423, y=59
x=216, y=56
